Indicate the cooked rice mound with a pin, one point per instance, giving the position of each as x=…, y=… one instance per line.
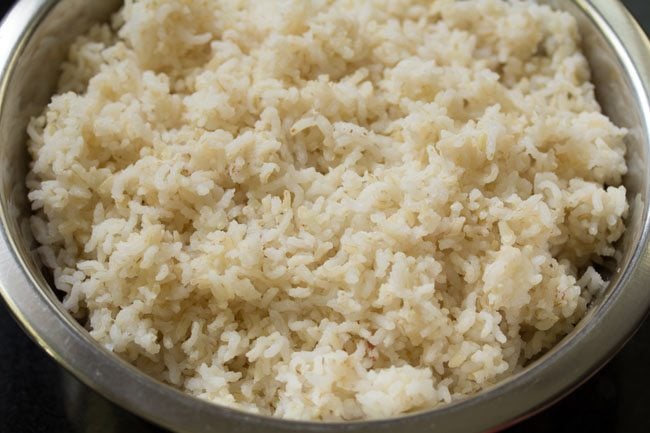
x=329, y=209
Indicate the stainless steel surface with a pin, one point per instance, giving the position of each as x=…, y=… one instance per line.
x=34, y=38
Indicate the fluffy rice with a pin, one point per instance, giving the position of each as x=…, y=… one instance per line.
x=328, y=209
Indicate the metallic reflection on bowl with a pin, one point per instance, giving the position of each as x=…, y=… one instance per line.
x=89, y=412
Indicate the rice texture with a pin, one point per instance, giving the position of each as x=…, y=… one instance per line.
x=328, y=209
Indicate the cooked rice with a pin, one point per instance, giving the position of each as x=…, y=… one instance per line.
x=328, y=209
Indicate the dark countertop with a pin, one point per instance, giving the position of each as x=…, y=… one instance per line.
x=37, y=396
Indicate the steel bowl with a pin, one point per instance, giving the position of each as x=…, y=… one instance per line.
x=34, y=39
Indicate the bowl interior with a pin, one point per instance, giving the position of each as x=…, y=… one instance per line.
x=31, y=76
x=30, y=84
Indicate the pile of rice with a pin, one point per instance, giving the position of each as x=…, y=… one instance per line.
x=328, y=209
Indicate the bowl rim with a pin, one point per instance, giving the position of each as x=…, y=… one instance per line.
x=570, y=363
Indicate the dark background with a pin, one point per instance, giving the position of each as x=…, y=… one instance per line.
x=38, y=396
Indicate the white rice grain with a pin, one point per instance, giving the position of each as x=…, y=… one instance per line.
x=328, y=210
